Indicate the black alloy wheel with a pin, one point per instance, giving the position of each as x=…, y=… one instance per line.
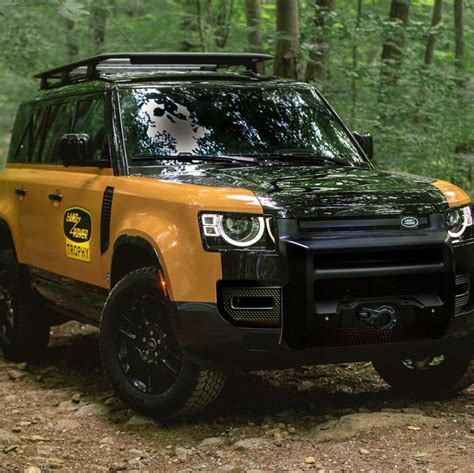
x=141, y=355
x=24, y=322
x=148, y=352
x=7, y=320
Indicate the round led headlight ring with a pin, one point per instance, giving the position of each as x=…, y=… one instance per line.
x=455, y=221
x=458, y=220
x=240, y=230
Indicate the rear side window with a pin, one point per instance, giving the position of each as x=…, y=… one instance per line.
x=27, y=134
x=21, y=136
x=21, y=146
x=90, y=119
x=58, y=123
x=40, y=116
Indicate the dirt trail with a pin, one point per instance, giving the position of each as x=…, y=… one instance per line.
x=60, y=414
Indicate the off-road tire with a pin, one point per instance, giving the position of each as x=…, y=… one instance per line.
x=27, y=336
x=453, y=375
x=194, y=389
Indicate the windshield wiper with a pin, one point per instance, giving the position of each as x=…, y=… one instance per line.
x=188, y=158
x=305, y=156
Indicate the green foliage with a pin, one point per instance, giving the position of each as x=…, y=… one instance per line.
x=422, y=119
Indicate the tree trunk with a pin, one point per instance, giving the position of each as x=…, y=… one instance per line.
x=393, y=47
x=430, y=45
x=72, y=48
x=134, y=8
x=98, y=19
x=221, y=22
x=288, y=52
x=459, y=40
x=253, y=14
x=188, y=25
x=203, y=14
x=355, y=55
x=318, y=60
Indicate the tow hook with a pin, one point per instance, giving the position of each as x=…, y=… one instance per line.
x=382, y=318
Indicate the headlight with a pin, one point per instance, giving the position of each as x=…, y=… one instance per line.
x=226, y=231
x=458, y=220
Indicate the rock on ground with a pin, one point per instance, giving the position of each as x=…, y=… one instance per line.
x=211, y=442
x=7, y=437
x=251, y=444
x=137, y=420
x=93, y=410
x=351, y=425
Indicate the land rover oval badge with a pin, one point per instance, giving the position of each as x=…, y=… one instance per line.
x=409, y=222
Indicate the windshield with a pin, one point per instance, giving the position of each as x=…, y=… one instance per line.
x=232, y=120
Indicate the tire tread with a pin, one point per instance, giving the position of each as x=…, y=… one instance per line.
x=203, y=386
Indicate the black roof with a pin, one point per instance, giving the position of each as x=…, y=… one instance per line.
x=99, y=67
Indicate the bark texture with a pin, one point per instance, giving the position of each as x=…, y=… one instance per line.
x=288, y=52
x=72, y=47
x=253, y=15
x=435, y=21
x=459, y=39
x=392, y=51
x=188, y=25
x=393, y=46
x=98, y=22
x=221, y=21
x=355, y=58
x=318, y=60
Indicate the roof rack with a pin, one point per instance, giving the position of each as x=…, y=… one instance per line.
x=98, y=67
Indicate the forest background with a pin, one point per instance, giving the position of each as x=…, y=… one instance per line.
x=400, y=69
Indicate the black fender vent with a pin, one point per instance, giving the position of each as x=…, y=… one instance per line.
x=105, y=219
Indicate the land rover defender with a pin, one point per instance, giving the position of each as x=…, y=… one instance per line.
x=208, y=218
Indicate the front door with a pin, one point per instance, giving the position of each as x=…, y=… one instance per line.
x=79, y=192
x=40, y=155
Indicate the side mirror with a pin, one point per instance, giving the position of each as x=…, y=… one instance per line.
x=74, y=148
x=366, y=142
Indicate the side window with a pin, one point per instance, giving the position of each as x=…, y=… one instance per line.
x=19, y=145
x=27, y=144
x=90, y=119
x=58, y=123
x=40, y=116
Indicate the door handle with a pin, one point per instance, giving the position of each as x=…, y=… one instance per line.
x=20, y=192
x=55, y=197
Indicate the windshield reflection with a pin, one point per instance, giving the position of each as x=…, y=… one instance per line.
x=235, y=120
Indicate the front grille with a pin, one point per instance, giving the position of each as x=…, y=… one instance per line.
x=378, y=259
x=358, y=224
x=382, y=286
x=367, y=336
x=252, y=306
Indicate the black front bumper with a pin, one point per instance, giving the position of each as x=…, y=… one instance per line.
x=212, y=342
x=328, y=282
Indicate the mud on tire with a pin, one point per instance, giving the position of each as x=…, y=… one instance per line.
x=141, y=356
x=24, y=326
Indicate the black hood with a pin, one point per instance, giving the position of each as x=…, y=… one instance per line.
x=300, y=191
